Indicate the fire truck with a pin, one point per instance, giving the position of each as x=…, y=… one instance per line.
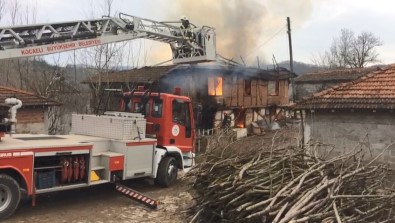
x=150, y=136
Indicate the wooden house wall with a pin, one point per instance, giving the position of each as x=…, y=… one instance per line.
x=262, y=93
x=195, y=86
x=282, y=97
x=235, y=96
x=285, y=97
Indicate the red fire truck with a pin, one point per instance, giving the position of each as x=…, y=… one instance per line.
x=150, y=136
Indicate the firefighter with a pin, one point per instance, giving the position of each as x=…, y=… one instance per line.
x=186, y=31
x=186, y=28
x=226, y=122
x=199, y=111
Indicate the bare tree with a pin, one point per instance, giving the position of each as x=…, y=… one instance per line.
x=50, y=81
x=323, y=60
x=101, y=59
x=364, y=50
x=2, y=9
x=350, y=51
x=17, y=12
x=340, y=51
x=30, y=14
x=106, y=58
x=14, y=7
x=36, y=75
x=107, y=6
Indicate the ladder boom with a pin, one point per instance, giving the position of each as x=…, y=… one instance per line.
x=42, y=39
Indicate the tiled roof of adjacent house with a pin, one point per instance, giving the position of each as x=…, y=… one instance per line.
x=339, y=75
x=241, y=71
x=140, y=75
x=375, y=90
x=27, y=98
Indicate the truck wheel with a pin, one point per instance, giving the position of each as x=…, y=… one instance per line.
x=10, y=195
x=167, y=172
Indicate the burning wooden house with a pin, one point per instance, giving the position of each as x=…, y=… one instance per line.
x=244, y=94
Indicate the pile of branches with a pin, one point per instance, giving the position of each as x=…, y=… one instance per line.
x=252, y=182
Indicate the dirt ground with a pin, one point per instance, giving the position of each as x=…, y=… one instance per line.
x=103, y=204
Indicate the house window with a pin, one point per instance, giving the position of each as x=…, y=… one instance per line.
x=215, y=86
x=247, y=87
x=273, y=88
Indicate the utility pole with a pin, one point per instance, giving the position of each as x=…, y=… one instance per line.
x=75, y=69
x=291, y=60
x=257, y=59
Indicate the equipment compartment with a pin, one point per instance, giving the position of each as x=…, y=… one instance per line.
x=45, y=179
x=61, y=170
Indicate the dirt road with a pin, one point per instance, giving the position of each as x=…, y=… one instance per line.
x=103, y=204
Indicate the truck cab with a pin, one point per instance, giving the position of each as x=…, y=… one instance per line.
x=169, y=116
x=151, y=137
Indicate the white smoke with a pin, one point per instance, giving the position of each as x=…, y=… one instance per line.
x=242, y=26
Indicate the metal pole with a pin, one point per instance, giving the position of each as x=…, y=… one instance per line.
x=75, y=69
x=291, y=62
x=257, y=59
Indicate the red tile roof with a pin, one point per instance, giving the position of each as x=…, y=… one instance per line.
x=338, y=75
x=140, y=75
x=27, y=98
x=375, y=90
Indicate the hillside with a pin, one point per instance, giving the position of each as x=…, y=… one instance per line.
x=300, y=68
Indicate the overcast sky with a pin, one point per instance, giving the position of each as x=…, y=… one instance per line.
x=314, y=22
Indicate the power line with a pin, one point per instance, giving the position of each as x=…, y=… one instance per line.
x=267, y=41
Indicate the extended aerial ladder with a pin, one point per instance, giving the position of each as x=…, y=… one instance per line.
x=42, y=39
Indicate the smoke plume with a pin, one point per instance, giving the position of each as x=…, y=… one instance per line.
x=242, y=26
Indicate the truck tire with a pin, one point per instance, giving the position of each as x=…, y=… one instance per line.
x=10, y=196
x=167, y=172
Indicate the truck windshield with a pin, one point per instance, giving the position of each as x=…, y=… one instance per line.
x=157, y=108
x=139, y=108
x=181, y=115
x=180, y=112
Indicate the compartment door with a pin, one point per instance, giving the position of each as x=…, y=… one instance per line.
x=139, y=161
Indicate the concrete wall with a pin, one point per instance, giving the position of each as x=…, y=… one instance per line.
x=32, y=128
x=372, y=131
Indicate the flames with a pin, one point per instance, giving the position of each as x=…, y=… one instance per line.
x=240, y=125
x=240, y=118
x=215, y=86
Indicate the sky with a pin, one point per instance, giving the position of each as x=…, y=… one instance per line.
x=245, y=29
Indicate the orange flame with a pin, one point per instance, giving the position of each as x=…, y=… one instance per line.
x=215, y=86
x=240, y=125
